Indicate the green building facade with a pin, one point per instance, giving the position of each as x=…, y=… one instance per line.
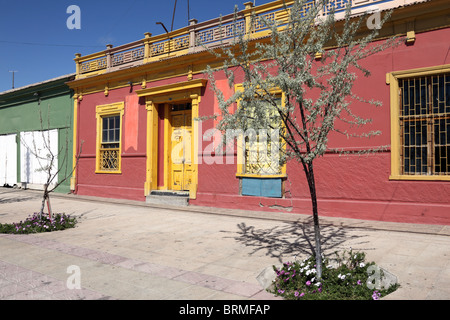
x=36, y=121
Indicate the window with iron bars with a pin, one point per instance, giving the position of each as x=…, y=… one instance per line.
x=425, y=125
x=258, y=155
x=110, y=144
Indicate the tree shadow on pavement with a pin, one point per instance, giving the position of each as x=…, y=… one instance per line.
x=15, y=199
x=10, y=195
x=291, y=239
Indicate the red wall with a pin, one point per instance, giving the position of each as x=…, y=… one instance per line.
x=347, y=186
x=130, y=183
x=351, y=186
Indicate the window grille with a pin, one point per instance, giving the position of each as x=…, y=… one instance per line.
x=259, y=157
x=110, y=145
x=425, y=125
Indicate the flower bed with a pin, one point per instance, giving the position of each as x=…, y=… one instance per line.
x=37, y=224
x=347, y=277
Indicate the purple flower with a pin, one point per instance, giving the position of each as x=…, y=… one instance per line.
x=308, y=283
x=358, y=282
x=376, y=295
x=296, y=293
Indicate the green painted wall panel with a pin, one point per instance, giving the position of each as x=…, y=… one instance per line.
x=21, y=110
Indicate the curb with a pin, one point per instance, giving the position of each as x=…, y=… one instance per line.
x=442, y=230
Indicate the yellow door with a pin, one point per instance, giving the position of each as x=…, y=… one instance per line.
x=181, y=151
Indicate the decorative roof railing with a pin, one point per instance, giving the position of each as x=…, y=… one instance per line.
x=197, y=36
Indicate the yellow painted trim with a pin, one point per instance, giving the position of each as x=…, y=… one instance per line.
x=269, y=176
x=240, y=149
x=172, y=88
x=426, y=71
x=109, y=172
x=195, y=101
x=92, y=56
x=395, y=126
x=90, y=74
x=240, y=87
x=148, y=170
x=172, y=93
x=104, y=111
x=240, y=170
x=420, y=177
x=410, y=37
x=151, y=181
x=392, y=79
x=73, y=179
x=167, y=144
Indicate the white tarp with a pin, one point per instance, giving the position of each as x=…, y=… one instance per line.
x=35, y=157
x=8, y=160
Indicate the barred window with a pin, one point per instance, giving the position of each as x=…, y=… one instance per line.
x=110, y=145
x=425, y=125
x=109, y=133
x=262, y=156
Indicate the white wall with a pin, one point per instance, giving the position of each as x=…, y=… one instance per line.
x=34, y=156
x=8, y=160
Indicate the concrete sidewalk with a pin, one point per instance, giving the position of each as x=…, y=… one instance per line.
x=133, y=250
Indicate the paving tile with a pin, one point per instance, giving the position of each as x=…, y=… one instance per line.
x=216, y=283
x=22, y=275
x=168, y=272
x=191, y=277
x=264, y=295
x=38, y=280
x=11, y=289
x=105, y=258
x=243, y=289
x=128, y=263
x=79, y=294
x=31, y=294
x=53, y=286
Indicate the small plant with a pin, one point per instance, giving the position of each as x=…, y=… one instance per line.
x=346, y=277
x=37, y=224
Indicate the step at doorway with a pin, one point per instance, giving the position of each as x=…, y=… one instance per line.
x=169, y=197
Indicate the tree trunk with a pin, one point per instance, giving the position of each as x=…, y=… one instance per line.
x=44, y=198
x=312, y=190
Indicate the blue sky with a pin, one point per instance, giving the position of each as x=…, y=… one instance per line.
x=35, y=40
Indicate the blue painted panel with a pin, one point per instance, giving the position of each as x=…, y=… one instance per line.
x=251, y=187
x=261, y=187
x=271, y=188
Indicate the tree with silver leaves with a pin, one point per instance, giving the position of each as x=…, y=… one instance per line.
x=317, y=92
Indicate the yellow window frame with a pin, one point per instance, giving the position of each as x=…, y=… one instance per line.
x=102, y=111
x=241, y=172
x=392, y=79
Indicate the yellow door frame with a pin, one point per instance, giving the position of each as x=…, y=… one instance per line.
x=172, y=93
x=170, y=163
